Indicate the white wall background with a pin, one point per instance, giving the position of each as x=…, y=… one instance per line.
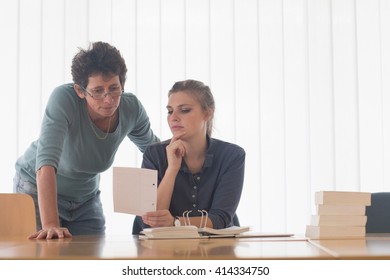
x=302, y=85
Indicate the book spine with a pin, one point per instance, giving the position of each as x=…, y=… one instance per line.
x=343, y=198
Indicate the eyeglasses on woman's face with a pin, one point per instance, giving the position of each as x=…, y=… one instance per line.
x=100, y=94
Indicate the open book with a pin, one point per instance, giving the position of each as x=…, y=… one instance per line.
x=190, y=232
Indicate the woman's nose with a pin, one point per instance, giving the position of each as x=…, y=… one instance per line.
x=108, y=98
x=173, y=117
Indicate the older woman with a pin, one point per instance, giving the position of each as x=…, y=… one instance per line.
x=83, y=125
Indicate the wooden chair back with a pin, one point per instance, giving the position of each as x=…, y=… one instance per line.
x=17, y=214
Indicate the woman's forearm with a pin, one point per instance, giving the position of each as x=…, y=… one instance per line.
x=165, y=189
x=47, y=196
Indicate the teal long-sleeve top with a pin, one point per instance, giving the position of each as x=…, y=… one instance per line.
x=68, y=142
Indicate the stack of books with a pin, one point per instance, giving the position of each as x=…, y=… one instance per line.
x=340, y=215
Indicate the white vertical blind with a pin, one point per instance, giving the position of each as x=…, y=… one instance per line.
x=321, y=99
x=345, y=95
x=246, y=100
x=296, y=102
x=29, y=77
x=302, y=85
x=384, y=14
x=222, y=68
x=272, y=169
x=9, y=76
x=369, y=94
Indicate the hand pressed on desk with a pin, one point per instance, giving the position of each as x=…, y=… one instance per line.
x=50, y=233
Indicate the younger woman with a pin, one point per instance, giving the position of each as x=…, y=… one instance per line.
x=195, y=171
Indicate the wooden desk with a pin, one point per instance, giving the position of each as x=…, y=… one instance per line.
x=129, y=247
x=374, y=246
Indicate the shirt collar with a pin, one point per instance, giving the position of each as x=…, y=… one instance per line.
x=208, y=162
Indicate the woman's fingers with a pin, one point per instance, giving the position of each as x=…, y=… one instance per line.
x=51, y=233
x=158, y=218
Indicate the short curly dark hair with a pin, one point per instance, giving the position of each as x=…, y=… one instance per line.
x=99, y=58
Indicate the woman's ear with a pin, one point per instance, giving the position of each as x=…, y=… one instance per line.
x=79, y=91
x=208, y=115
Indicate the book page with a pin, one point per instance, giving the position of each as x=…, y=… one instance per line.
x=134, y=190
x=224, y=231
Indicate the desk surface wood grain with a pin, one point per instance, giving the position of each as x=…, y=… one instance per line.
x=130, y=247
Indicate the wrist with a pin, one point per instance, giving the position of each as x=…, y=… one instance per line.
x=171, y=171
